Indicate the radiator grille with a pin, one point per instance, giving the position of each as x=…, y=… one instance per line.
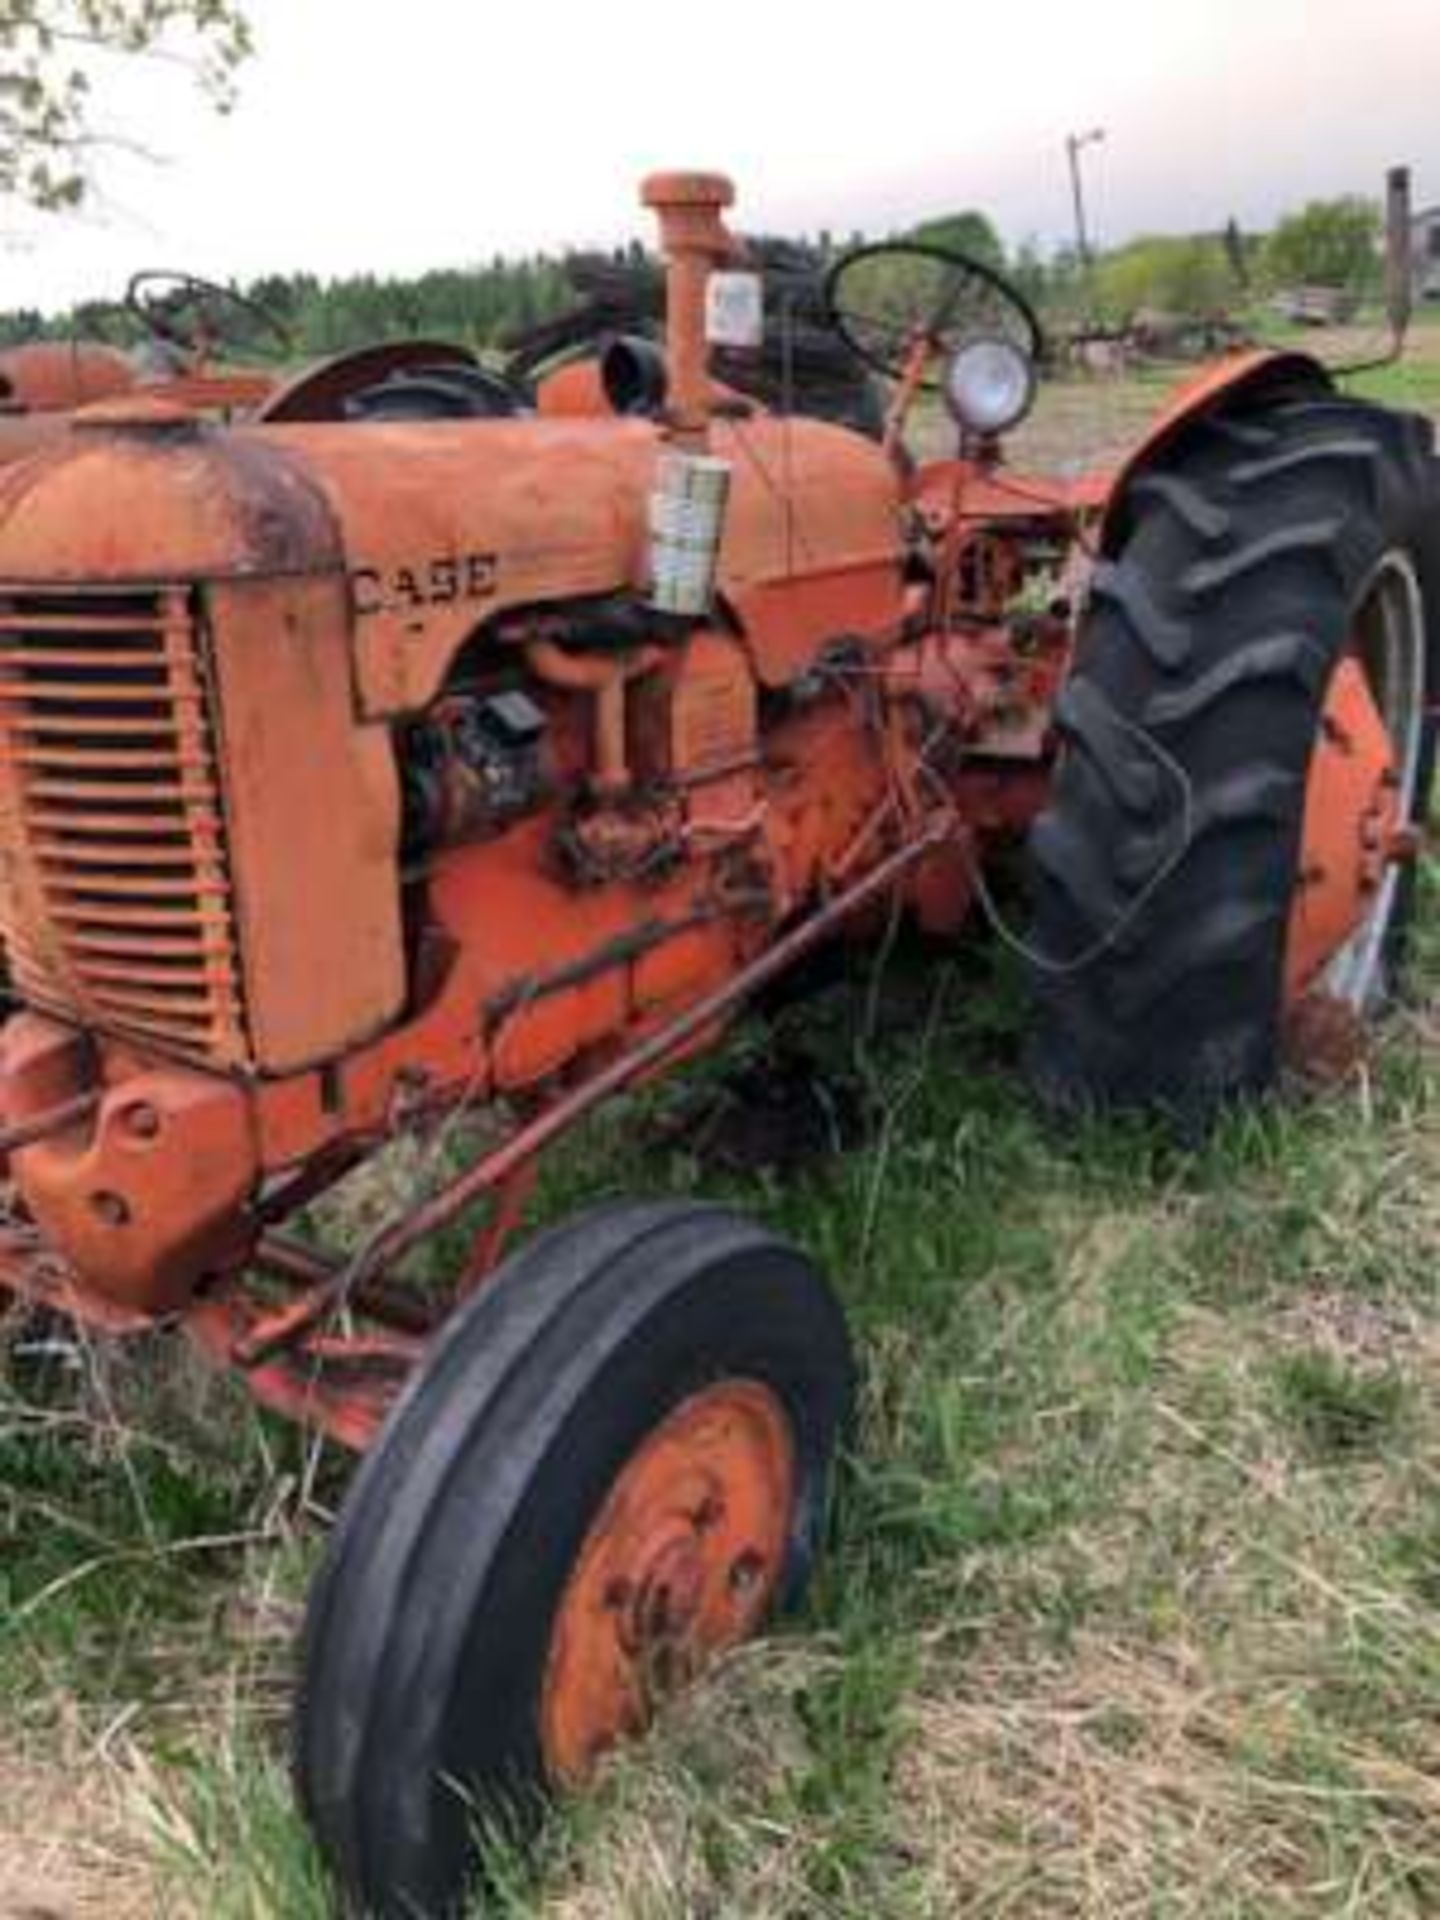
x=115, y=892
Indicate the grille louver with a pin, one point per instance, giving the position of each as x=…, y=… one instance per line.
x=115, y=891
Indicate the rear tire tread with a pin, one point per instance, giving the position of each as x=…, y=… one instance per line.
x=1221, y=648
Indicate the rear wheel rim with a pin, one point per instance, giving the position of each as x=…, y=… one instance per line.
x=1387, y=644
x=682, y=1562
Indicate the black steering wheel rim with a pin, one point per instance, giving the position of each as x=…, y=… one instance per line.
x=158, y=313
x=1007, y=314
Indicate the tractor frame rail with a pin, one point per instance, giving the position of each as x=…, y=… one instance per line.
x=330, y=1342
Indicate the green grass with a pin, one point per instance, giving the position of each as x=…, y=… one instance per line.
x=1131, y=1606
x=1412, y=382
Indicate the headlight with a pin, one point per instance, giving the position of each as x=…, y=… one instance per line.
x=989, y=386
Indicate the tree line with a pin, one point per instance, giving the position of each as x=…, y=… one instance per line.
x=1328, y=243
x=481, y=304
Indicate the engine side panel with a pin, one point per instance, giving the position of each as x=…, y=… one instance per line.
x=313, y=810
x=447, y=524
x=812, y=547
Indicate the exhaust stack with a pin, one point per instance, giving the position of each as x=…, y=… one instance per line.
x=696, y=241
x=687, y=508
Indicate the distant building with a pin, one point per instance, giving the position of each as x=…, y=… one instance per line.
x=1425, y=253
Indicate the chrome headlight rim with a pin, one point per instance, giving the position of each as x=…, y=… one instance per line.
x=981, y=364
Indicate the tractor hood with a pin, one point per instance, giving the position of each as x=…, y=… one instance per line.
x=434, y=526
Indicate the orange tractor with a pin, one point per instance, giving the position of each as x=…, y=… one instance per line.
x=361, y=774
x=183, y=325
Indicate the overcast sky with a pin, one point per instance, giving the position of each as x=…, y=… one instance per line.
x=401, y=134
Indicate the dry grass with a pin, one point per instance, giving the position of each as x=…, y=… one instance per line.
x=71, y=1846
x=1136, y=1609
x=1124, y=1781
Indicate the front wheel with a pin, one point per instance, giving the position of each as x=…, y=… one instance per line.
x=1225, y=869
x=611, y=1470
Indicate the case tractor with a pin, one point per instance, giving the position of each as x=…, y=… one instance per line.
x=483, y=759
x=183, y=329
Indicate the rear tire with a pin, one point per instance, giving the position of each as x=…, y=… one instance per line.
x=1165, y=869
x=460, y=1653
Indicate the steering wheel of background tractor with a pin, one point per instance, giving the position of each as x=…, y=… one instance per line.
x=190, y=313
x=880, y=298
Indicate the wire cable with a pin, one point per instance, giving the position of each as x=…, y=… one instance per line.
x=1053, y=965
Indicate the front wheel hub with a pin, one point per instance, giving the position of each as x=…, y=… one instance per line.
x=681, y=1563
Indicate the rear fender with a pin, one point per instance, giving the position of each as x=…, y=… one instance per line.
x=1247, y=374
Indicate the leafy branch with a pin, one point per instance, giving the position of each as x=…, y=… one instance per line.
x=49, y=50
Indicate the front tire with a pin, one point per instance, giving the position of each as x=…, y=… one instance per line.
x=616, y=1461
x=1264, y=633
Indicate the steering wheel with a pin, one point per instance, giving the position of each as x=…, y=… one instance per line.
x=187, y=311
x=880, y=299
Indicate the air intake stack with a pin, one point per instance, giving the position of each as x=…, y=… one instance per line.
x=695, y=240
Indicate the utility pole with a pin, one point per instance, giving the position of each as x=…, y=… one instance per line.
x=1399, y=254
x=1075, y=145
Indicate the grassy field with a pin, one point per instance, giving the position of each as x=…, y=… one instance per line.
x=1133, y=1605
x=1095, y=420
